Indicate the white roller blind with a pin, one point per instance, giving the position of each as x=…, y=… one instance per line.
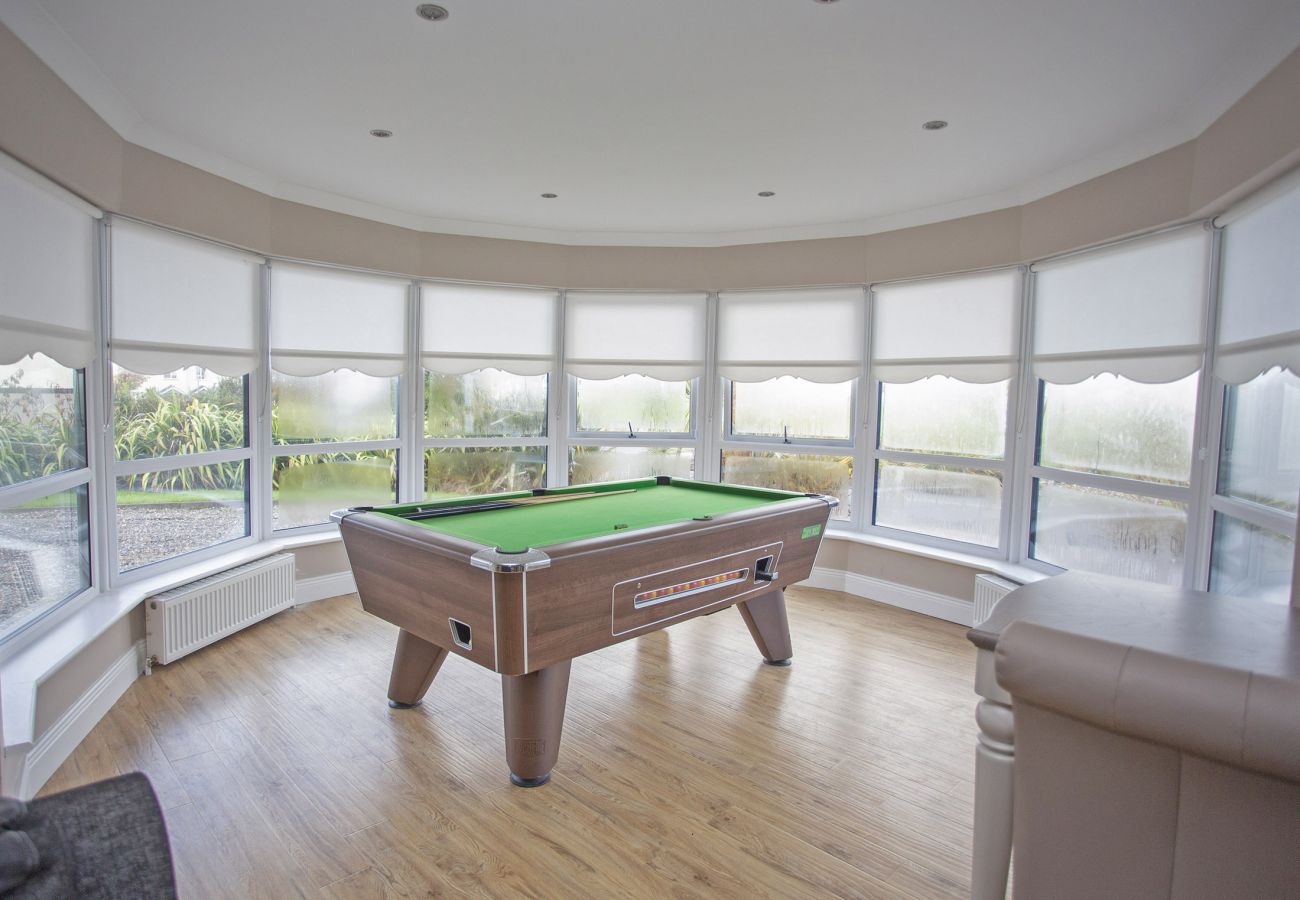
x=612, y=334
x=964, y=327
x=324, y=319
x=179, y=301
x=465, y=327
x=47, y=270
x=812, y=334
x=1135, y=309
x=1259, y=305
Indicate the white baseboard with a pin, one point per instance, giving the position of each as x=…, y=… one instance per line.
x=56, y=745
x=322, y=587
x=928, y=603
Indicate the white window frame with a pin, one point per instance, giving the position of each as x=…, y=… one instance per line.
x=418, y=442
x=1204, y=430
x=873, y=453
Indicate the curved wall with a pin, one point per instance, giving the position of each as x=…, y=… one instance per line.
x=47, y=126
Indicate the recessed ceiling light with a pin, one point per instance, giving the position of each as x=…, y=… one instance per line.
x=935, y=125
x=825, y=1
x=380, y=133
x=773, y=193
x=432, y=12
x=549, y=196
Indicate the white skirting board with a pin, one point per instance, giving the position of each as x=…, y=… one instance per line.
x=322, y=587
x=928, y=603
x=56, y=745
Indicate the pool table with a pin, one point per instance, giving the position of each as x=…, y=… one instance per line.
x=523, y=582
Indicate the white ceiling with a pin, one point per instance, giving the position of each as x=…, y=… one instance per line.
x=658, y=122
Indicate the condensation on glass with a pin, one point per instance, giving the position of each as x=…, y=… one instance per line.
x=647, y=404
x=1249, y=561
x=1109, y=425
x=589, y=464
x=485, y=403
x=792, y=407
x=1109, y=532
x=452, y=471
x=807, y=473
x=341, y=405
x=1260, y=457
x=944, y=415
x=305, y=489
x=959, y=504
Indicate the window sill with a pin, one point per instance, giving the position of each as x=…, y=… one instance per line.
x=47, y=649
x=1012, y=571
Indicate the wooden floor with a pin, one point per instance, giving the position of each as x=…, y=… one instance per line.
x=688, y=769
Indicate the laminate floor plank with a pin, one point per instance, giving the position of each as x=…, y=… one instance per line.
x=688, y=768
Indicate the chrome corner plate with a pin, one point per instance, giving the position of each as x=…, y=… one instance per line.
x=499, y=560
x=830, y=501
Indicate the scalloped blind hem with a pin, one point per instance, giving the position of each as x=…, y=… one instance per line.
x=149, y=358
x=970, y=370
x=1148, y=367
x=307, y=363
x=19, y=338
x=462, y=364
x=827, y=372
x=1245, y=360
x=600, y=370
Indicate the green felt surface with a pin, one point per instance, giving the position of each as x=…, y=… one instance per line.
x=557, y=523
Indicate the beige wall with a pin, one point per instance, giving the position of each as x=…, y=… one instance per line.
x=46, y=125
x=320, y=559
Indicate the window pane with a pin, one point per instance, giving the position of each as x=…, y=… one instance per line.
x=649, y=404
x=306, y=489
x=1112, y=426
x=588, y=464
x=42, y=419
x=338, y=406
x=1260, y=460
x=809, y=410
x=1108, y=532
x=943, y=501
x=943, y=415
x=801, y=472
x=485, y=403
x=190, y=410
x=164, y=514
x=44, y=554
x=449, y=471
x=1248, y=561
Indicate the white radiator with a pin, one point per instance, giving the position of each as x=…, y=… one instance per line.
x=185, y=618
x=989, y=589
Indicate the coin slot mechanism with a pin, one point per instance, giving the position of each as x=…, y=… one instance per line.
x=461, y=635
x=765, y=569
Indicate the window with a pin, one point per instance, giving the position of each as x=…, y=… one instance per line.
x=1116, y=411
x=487, y=354
x=338, y=348
x=1257, y=361
x=47, y=302
x=943, y=355
x=790, y=361
x=180, y=391
x=634, y=363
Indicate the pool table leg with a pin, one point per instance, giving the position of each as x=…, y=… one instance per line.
x=414, y=665
x=534, y=708
x=768, y=626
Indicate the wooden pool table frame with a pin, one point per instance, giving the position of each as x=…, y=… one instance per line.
x=526, y=615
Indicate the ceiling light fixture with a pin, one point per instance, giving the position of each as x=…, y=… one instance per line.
x=773, y=193
x=825, y=1
x=935, y=125
x=380, y=133
x=549, y=196
x=431, y=12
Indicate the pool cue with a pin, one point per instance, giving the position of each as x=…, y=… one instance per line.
x=441, y=511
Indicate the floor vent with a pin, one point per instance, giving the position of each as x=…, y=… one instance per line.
x=989, y=589
x=185, y=618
